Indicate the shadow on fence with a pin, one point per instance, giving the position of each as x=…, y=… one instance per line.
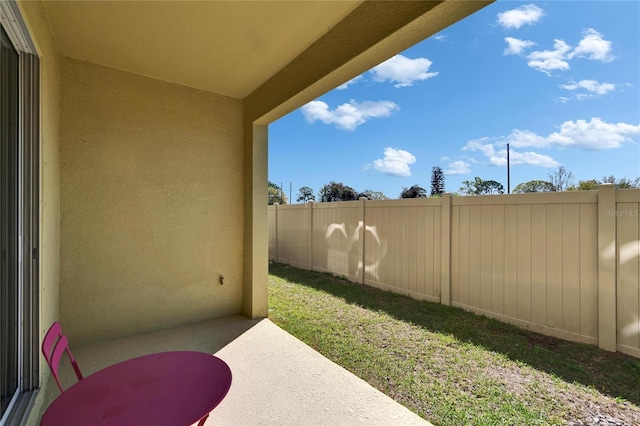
x=614, y=374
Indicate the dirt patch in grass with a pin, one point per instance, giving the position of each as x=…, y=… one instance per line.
x=580, y=405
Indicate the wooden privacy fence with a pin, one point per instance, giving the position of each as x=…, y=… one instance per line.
x=566, y=264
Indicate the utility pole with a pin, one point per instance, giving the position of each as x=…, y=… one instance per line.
x=508, y=172
x=290, y=186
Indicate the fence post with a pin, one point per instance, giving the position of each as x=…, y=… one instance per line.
x=361, y=228
x=607, y=260
x=445, y=250
x=310, y=235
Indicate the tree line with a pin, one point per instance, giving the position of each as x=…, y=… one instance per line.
x=337, y=191
x=558, y=180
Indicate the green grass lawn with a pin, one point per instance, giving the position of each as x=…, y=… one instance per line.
x=450, y=366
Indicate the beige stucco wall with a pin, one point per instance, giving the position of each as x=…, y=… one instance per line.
x=255, y=303
x=151, y=203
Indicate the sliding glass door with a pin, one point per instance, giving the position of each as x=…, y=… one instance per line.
x=9, y=303
x=19, y=217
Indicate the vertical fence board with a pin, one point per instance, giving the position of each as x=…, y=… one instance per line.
x=571, y=268
x=497, y=257
x=524, y=262
x=554, y=265
x=511, y=261
x=474, y=256
x=628, y=275
x=319, y=241
x=455, y=254
x=371, y=246
x=412, y=238
x=464, y=254
x=424, y=275
x=388, y=220
x=589, y=270
x=485, y=257
x=399, y=245
x=391, y=255
x=379, y=241
x=271, y=222
x=436, y=231
x=383, y=234
x=539, y=264
x=407, y=236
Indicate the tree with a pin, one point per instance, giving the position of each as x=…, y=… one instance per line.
x=437, y=181
x=561, y=179
x=336, y=192
x=623, y=183
x=414, y=192
x=275, y=194
x=305, y=194
x=373, y=195
x=534, y=186
x=481, y=187
x=584, y=185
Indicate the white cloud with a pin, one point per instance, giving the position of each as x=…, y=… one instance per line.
x=496, y=152
x=525, y=139
x=528, y=157
x=350, y=115
x=458, y=168
x=549, y=60
x=403, y=71
x=593, y=47
x=591, y=85
x=440, y=37
x=593, y=88
x=480, y=145
x=396, y=162
x=349, y=83
x=517, y=46
x=595, y=134
x=524, y=15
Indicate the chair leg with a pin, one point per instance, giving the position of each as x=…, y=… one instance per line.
x=202, y=420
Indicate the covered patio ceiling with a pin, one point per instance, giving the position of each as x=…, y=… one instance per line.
x=238, y=48
x=225, y=47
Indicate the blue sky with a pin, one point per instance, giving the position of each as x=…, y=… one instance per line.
x=559, y=81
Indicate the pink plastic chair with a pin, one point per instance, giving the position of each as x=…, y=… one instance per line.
x=53, y=347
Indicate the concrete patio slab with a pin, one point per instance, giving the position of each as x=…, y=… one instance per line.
x=277, y=379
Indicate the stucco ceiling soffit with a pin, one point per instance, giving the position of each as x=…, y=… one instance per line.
x=226, y=47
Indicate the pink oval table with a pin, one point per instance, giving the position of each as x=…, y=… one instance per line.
x=167, y=388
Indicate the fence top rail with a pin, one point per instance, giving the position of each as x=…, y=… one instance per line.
x=628, y=196
x=291, y=206
x=576, y=197
x=406, y=202
x=337, y=205
x=566, y=197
